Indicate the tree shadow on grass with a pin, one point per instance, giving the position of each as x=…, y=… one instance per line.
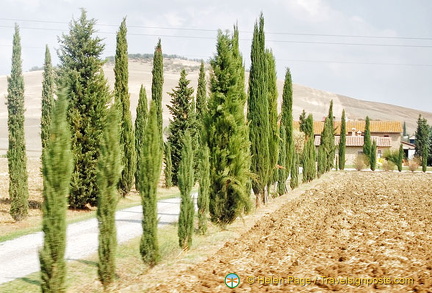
x=30, y=281
x=86, y=262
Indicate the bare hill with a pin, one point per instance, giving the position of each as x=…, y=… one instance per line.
x=312, y=100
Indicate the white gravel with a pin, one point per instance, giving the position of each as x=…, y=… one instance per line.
x=19, y=257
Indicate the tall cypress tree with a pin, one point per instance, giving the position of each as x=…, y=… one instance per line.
x=400, y=158
x=422, y=135
x=324, y=148
x=367, y=145
x=342, y=142
x=294, y=182
x=226, y=134
x=181, y=109
x=57, y=168
x=201, y=94
x=273, y=116
x=203, y=191
x=373, y=156
x=258, y=113
x=282, y=161
x=140, y=123
x=88, y=93
x=108, y=176
x=157, y=83
x=404, y=129
x=185, y=182
x=121, y=91
x=17, y=158
x=331, y=139
x=167, y=165
x=47, y=97
x=309, y=155
x=150, y=163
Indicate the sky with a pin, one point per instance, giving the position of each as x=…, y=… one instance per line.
x=371, y=50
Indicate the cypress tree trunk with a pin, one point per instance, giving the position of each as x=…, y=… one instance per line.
x=168, y=165
x=203, y=192
x=56, y=171
x=400, y=158
x=109, y=172
x=157, y=84
x=121, y=91
x=88, y=93
x=150, y=162
x=227, y=134
x=185, y=181
x=342, y=142
x=17, y=158
x=140, y=123
x=47, y=98
x=373, y=156
x=258, y=114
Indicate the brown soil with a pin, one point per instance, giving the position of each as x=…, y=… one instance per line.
x=355, y=225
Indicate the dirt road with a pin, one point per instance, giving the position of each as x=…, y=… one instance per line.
x=357, y=228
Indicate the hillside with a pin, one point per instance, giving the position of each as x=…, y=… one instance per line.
x=312, y=100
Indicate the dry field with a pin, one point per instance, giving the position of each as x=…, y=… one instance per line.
x=354, y=225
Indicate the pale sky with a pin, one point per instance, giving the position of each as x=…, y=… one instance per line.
x=376, y=50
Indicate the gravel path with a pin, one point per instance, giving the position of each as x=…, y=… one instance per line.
x=19, y=257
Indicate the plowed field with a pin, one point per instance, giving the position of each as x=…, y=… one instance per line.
x=357, y=228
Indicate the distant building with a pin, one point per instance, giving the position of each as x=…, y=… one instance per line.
x=387, y=134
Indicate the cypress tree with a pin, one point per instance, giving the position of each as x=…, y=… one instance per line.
x=108, y=176
x=17, y=159
x=150, y=162
x=422, y=135
x=342, y=142
x=47, y=97
x=181, y=109
x=201, y=95
x=309, y=155
x=294, y=171
x=168, y=165
x=324, y=148
x=258, y=114
x=57, y=168
x=367, y=145
x=400, y=158
x=321, y=160
x=273, y=116
x=121, y=91
x=404, y=129
x=331, y=140
x=88, y=93
x=373, y=156
x=140, y=123
x=226, y=134
x=157, y=83
x=287, y=117
x=282, y=160
x=203, y=191
x=185, y=182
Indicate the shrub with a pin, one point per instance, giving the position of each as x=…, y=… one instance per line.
x=388, y=165
x=360, y=162
x=413, y=164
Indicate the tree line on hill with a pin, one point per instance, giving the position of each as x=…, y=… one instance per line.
x=93, y=154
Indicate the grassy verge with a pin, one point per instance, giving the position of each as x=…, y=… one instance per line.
x=133, y=199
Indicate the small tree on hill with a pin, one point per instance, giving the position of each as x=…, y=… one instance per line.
x=140, y=124
x=150, y=162
x=204, y=188
x=185, y=182
x=109, y=173
x=57, y=168
x=342, y=142
x=17, y=159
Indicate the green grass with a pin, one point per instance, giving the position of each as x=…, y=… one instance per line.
x=124, y=203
